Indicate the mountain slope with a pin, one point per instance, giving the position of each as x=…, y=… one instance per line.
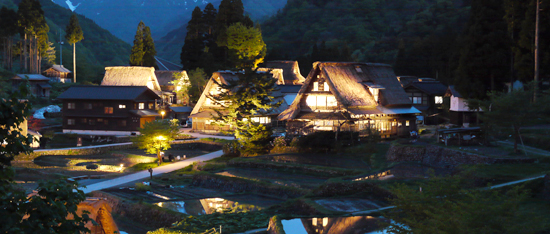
x=121, y=17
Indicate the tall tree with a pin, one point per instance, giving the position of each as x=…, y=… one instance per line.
x=32, y=23
x=73, y=35
x=194, y=46
x=197, y=80
x=484, y=58
x=143, y=52
x=138, y=50
x=246, y=45
x=229, y=12
x=8, y=29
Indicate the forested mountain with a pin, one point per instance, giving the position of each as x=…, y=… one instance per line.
x=121, y=17
x=368, y=31
x=98, y=49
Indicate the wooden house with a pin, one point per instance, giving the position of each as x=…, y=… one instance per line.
x=205, y=109
x=165, y=79
x=291, y=71
x=352, y=97
x=58, y=73
x=107, y=110
x=39, y=84
x=427, y=96
x=459, y=112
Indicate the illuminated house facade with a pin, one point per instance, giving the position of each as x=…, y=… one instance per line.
x=205, y=109
x=352, y=97
x=107, y=110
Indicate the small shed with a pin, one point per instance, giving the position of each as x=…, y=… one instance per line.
x=180, y=112
x=58, y=73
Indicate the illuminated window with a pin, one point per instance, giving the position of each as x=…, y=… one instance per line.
x=331, y=101
x=151, y=106
x=71, y=105
x=325, y=87
x=70, y=122
x=416, y=100
x=311, y=100
x=121, y=106
x=399, y=124
x=407, y=123
x=321, y=101
x=141, y=106
x=315, y=86
x=108, y=110
x=438, y=100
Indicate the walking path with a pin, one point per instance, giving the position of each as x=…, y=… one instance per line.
x=145, y=174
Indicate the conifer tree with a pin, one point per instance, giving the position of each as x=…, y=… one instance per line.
x=32, y=23
x=149, y=48
x=8, y=29
x=74, y=35
x=136, y=56
x=484, y=58
x=193, y=47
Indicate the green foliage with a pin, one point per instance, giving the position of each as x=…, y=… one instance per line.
x=142, y=187
x=232, y=149
x=198, y=80
x=74, y=31
x=47, y=211
x=246, y=44
x=444, y=206
x=279, y=141
x=249, y=95
x=156, y=136
x=143, y=52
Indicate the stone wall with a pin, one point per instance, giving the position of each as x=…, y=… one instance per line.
x=443, y=157
x=237, y=185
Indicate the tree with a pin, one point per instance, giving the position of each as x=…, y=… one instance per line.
x=143, y=52
x=442, y=205
x=73, y=35
x=514, y=110
x=484, y=58
x=246, y=44
x=48, y=210
x=8, y=29
x=242, y=99
x=32, y=24
x=198, y=80
x=194, y=46
x=155, y=136
x=182, y=87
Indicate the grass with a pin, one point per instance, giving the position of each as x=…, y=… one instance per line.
x=509, y=172
x=211, y=139
x=145, y=166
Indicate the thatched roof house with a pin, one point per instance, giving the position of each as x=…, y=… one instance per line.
x=291, y=71
x=351, y=92
x=204, y=110
x=131, y=76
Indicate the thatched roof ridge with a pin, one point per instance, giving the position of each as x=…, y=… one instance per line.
x=131, y=76
x=276, y=72
x=165, y=77
x=347, y=82
x=291, y=71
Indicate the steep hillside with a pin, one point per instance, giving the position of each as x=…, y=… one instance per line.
x=98, y=49
x=121, y=17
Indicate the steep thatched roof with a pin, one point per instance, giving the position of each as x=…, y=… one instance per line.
x=165, y=77
x=350, y=82
x=131, y=76
x=291, y=71
x=276, y=72
x=224, y=77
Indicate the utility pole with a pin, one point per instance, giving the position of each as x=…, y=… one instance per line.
x=537, y=65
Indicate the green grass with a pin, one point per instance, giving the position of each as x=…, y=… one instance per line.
x=211, y=139
x=505, y=172
x=145, y=166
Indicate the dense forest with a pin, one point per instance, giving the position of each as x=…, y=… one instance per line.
x=98, y=49
x=476, y=45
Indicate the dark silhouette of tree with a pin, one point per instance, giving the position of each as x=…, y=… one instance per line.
x=8, y=29
x=143, y=52
x=74, y=35
x=32, y=25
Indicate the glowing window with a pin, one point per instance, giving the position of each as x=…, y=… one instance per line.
x=108, y=110
x=438, y=100
x=315, y=86
x=325, y=87
x=321, y=101
x=121, y=106
x=141, y=106
x=311, y=101
x=416, y=100
x=407, y=123
x=331, y=101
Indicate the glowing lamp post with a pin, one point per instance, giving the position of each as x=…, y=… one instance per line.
x=162, y=114
x=159, y=139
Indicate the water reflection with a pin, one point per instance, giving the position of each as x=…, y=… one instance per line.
x=325, y=225
x=208, y=206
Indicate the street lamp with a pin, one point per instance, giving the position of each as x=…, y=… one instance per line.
x=159, y=138
x=162, y=114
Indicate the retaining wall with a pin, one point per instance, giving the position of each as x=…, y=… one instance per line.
x=72, y=151
x=443, y=157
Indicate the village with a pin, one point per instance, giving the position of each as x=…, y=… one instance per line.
x=240, y=138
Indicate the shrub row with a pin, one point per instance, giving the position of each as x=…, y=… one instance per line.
x=84, y=151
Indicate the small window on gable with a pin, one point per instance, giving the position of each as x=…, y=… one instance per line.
x=325, y=87
x=315, y=86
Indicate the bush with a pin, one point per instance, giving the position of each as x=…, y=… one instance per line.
x=232, y=149
x=142, y=187
x=279, y=142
